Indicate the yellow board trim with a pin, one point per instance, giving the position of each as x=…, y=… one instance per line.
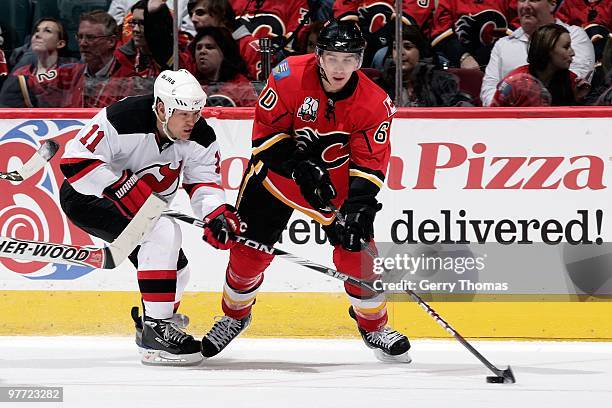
x=304, y=314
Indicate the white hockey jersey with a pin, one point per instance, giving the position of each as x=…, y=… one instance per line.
x=122, y=136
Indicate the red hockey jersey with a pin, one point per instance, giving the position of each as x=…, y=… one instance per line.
x=375, y=14
x=271, y=18
x=490, y=19
x=348, y=131
x=584, y=13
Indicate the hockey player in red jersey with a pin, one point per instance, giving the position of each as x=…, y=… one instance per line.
x=130, y=149
x=321, y=134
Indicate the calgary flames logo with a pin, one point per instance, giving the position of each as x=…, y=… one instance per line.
x=331, y=147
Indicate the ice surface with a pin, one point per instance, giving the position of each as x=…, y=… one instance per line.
x=106, y=372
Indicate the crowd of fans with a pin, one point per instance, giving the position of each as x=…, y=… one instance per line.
x=454, y=52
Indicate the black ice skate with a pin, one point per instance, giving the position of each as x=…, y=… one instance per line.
x=222, y=333
x=389, y=345
x=181, y=320
x=163, y=342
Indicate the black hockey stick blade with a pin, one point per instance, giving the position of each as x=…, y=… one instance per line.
x=505, y=377
x=46, y=151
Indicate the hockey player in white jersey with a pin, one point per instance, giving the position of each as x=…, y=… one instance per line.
x=130, y=149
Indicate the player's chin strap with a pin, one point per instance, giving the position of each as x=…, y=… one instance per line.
x=164, y=126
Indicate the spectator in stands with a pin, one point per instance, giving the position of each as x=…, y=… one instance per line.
x=424, y=83
x=464, y=31
x=102, y=77
x=550, y=56
x=376, y=18
x=219, y=13
x=121, y=12
x=136, y=53
x=602, y=78
x=285, y=22
x=42, y=82
x=309, y=42
x=220, y=69
x=511, y=52
x=595, y=16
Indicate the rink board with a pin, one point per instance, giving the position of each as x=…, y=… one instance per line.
x=434, y=166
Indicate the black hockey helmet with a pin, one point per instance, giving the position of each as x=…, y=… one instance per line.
x=341, y=36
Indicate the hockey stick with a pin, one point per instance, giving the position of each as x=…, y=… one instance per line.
x=501, y=376
x=106, y=257
x=46, y=151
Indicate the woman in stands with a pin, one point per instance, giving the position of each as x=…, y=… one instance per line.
x=424, y=83
x=220, y=69
x=550, y=55
x=39, y=84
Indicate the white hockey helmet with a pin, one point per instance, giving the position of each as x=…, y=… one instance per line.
x=177, y=90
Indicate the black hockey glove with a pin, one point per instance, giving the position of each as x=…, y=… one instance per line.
x=358, y=227
x=314, y=183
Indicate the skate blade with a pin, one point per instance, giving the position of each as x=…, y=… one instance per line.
x=403, y=358
x=163, y=358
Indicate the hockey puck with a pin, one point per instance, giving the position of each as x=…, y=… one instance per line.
x=495, y=380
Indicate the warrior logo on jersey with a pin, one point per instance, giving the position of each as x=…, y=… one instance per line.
x=308, y=110
x=332, y=147
x=162, y=178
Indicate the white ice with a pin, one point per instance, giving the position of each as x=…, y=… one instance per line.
x=106, y=372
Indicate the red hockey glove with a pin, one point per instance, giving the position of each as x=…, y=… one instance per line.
x=314, y=183
x=128, y=193
x=222, y=225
